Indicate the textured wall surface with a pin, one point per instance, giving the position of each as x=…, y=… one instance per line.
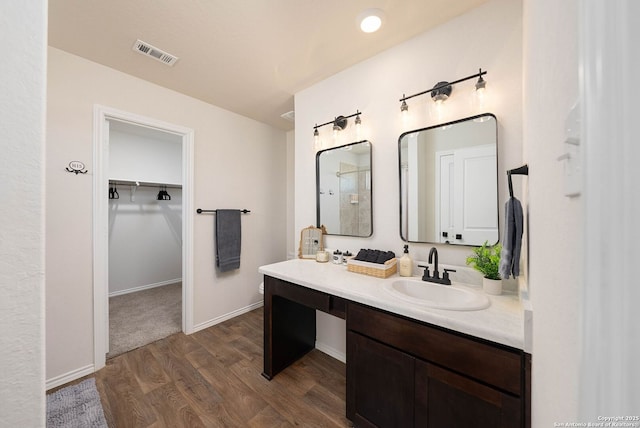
x=22, y=106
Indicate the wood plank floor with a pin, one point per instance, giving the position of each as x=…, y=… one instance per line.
x=213, y=379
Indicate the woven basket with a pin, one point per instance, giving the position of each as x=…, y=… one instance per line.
x=373, y=269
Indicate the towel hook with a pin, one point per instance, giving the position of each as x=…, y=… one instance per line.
x=523, y=170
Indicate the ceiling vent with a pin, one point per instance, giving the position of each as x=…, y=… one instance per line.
x=146, y=49
x=290, y=116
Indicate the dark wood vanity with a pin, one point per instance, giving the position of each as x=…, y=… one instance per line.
x=401, y=372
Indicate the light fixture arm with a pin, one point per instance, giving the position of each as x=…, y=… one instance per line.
x=341, y=121
x=443, y=85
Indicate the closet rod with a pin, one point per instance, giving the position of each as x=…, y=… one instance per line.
x=144, y=184
x=200, y=211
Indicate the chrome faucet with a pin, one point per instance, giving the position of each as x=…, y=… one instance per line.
x=433, y=258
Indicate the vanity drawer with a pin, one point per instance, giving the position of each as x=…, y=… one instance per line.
x=296, y=293
x=493, y=364
x=338, y=307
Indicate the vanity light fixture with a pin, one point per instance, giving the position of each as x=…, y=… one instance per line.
x=481, y=84
x=316, y=138
x=404, y=108
x=479, y=97
x=439, y=96
x=370, y=20
x=358, y=123
x=339, y=123
x=441, y=92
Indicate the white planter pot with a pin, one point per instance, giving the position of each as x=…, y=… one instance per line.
x=492, y=286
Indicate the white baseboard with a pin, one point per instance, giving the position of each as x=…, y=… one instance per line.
x=68, y=377
x=332, y=352
x=144, y=287
x=228, y=316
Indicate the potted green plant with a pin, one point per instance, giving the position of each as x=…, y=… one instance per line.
x=486, y=260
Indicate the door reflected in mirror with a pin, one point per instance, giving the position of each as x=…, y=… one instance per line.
x=343, y=190
x=449, y=183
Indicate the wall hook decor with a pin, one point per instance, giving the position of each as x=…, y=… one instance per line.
x=76, y=167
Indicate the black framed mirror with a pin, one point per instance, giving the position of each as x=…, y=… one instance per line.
x=343, y=190
x=449, y=182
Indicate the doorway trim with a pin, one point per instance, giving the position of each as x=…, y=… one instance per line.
x=101, y=115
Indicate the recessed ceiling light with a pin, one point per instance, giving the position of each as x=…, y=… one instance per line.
x=370, y=20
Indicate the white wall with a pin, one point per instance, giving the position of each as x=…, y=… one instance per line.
x=144, y=154
x=239, y=163
x=23, y=29
x=145, y=239
x=555, y=221
x=292, y=250
x=609, y=375
x=489, y=37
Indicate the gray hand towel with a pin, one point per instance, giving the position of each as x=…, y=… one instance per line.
x=510, y=255
x=228, y=239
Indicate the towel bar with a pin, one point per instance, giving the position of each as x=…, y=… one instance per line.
x=200, y=211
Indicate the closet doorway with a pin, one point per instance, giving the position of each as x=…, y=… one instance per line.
x=142, y=231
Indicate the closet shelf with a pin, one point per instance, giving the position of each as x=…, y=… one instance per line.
x=144, y=183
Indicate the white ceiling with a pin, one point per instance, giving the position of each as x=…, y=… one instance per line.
x=246, y=56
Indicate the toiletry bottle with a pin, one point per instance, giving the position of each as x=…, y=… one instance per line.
x=406, y=264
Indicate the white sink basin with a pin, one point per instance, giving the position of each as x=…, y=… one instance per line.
x=436, y=295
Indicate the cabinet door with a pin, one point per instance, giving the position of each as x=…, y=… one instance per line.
x=446, y=399
x=380, y=390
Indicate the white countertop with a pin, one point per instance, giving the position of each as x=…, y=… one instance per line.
x=502, y=322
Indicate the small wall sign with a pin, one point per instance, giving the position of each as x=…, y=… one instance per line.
x=76, y=167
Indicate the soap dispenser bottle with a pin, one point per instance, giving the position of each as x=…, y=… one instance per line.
x=406, y=264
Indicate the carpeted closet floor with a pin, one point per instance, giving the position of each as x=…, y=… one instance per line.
x=137, y=319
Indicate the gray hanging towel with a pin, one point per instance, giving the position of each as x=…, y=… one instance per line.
x=228, y=238
x=510, y=255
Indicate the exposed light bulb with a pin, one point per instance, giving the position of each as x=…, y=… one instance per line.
x=439, y=95
x=437, y=110
x=480, y=100
x=358, y=123
x=336, y=134
x=480, y=97
x=317, y=143
x=404, y=112
x=336, y=131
